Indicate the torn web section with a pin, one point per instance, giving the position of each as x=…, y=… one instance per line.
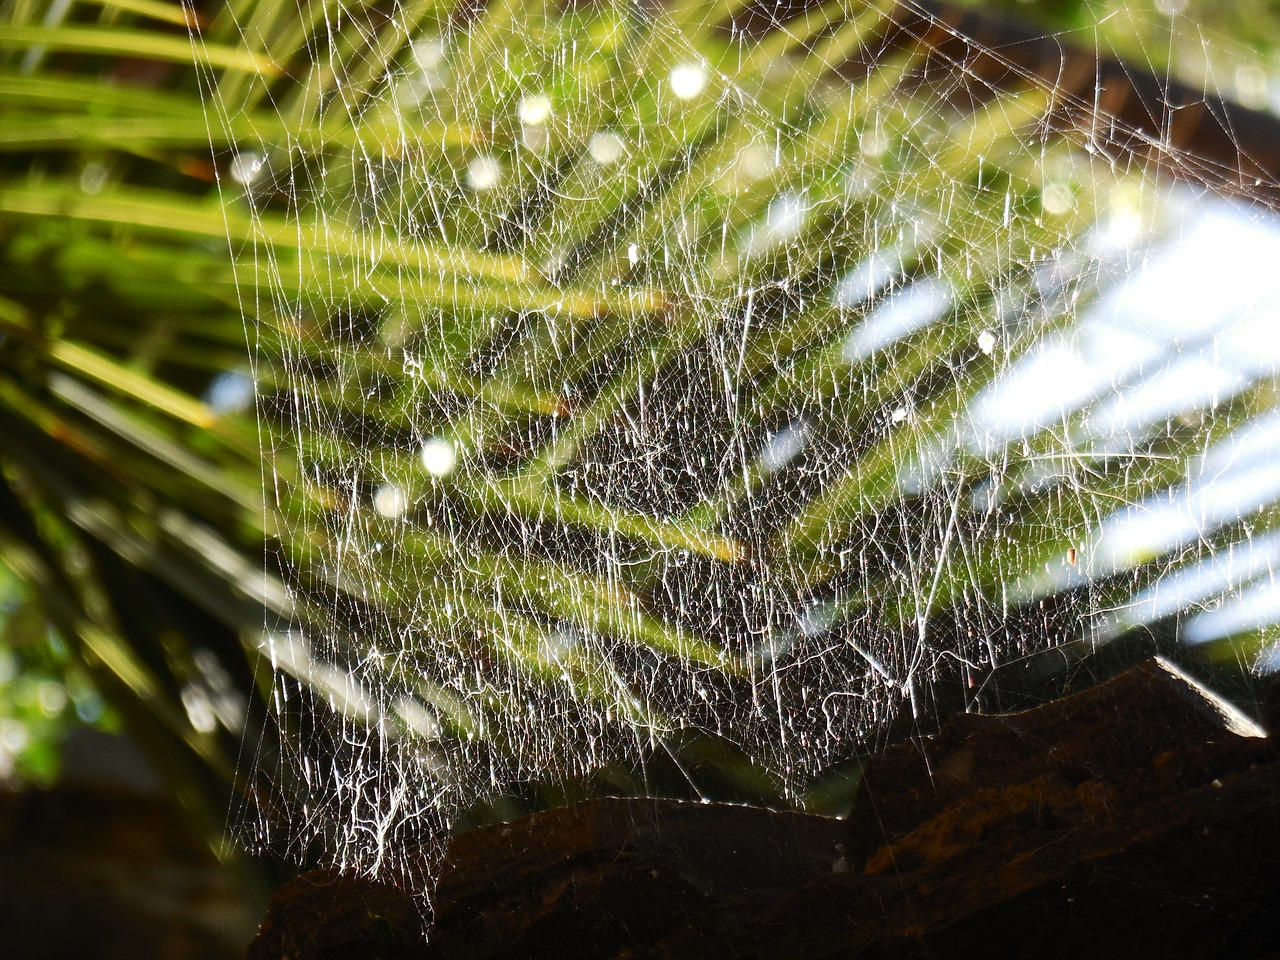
x=661, y=400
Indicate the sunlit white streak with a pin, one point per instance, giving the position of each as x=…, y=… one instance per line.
x=783, y=447
x=1115, y=233
x=1197, y=382
x=868, y=278
x=290, y=652
x=418, y=718
x=1187, y=385
x=1257, y=442
x=346, y=693
x=904, y=312
x=1269, y=659
x=1195, y=584
x=818, y=619
x=1043, y=389
x=53, y=17
x=1236, y=477
x=199, y=710
x=1235, y=720
x=1221, y=271
x=1118, y=426
x=1256, y=606
x=783, y=221
x=1153, y=528
x=1217, y=280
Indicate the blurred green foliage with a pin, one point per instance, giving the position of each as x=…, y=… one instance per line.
x=44, y=691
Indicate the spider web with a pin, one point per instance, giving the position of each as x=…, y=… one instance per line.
x=688, y=398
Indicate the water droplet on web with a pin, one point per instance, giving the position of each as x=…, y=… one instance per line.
x=535, y=110
x=688, y=80
x=1057, y=199
x=390, y=501
x=245, y=167
x=605, y=147
x=483, y=173
x=438, y=457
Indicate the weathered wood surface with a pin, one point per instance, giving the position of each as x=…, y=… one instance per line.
x=1128, y=820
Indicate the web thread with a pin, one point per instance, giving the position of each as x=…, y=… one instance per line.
x=655, y=390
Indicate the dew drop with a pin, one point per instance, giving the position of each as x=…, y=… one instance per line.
x=483, y=173
x=1057, y=199
x=535, y=110
x=390, y=501
x=438, y=457
x=245, y=167
x=605, y=147
x=688, y=80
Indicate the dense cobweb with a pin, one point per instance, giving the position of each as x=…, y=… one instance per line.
x=668, y=387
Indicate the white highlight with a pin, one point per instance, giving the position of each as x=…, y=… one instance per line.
x=783, y=222
x=483, y=173
x=783, y=447
x=688, y=80
x=606, y=147
x=438, y=457
x=245, y=167
x=535, y=110
x=390, y=501
x=904, y=312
